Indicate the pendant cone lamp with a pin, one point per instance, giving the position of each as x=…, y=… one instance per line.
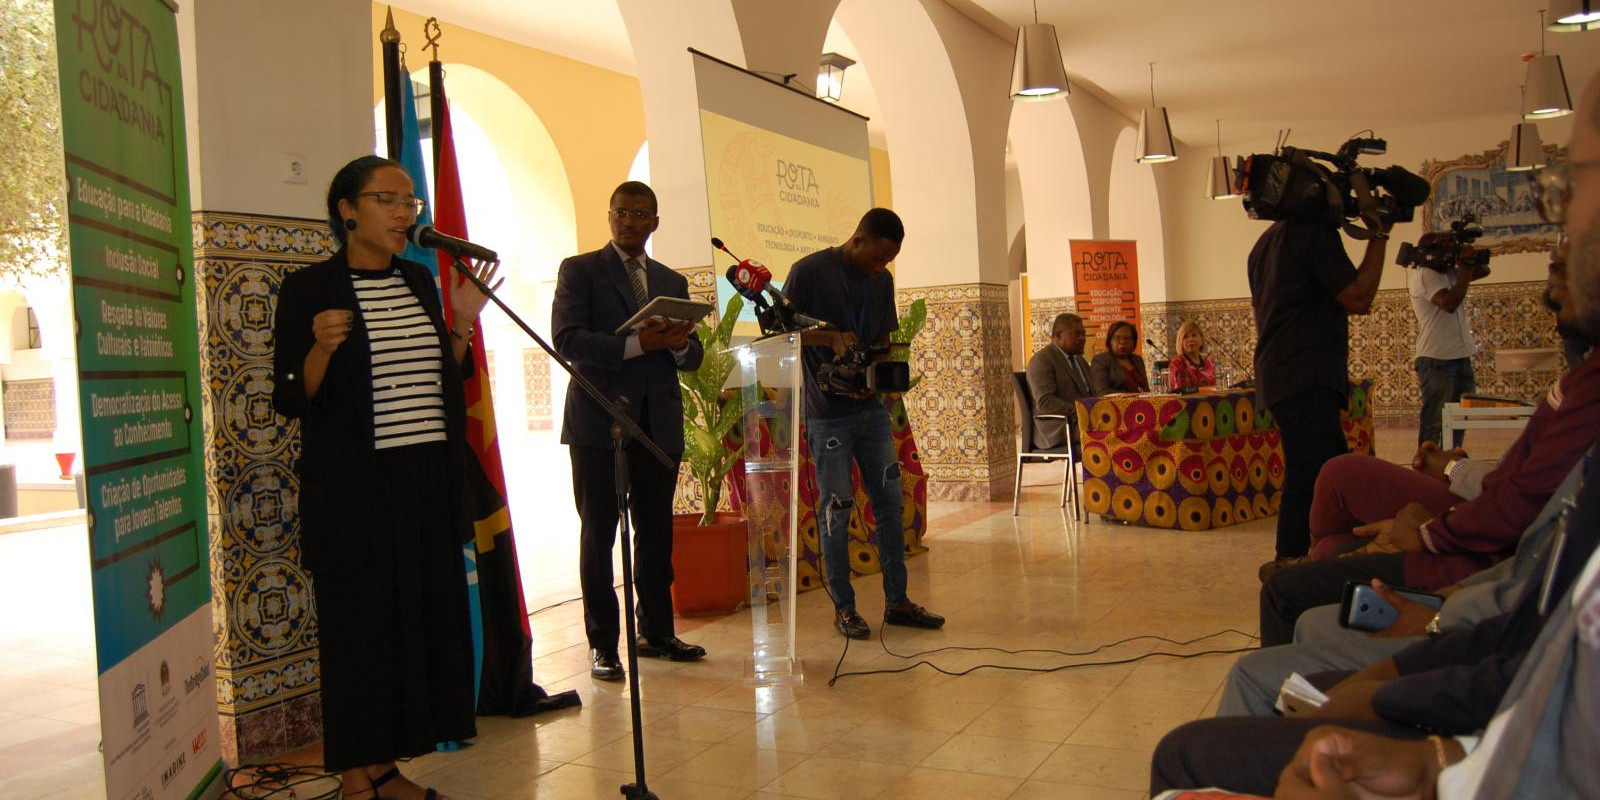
x=1572, y=16
x=1545, y=89
x=1155, y=130
x=1221, y=181
x=1036, y=69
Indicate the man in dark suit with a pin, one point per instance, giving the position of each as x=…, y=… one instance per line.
x=595, y=294
x=1058, y=375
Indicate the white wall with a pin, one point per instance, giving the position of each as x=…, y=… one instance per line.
x=1210, y=240
x=265, y=79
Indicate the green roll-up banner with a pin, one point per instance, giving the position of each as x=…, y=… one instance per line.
x=133, y=294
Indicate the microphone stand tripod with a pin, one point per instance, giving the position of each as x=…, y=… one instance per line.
x=623, y=430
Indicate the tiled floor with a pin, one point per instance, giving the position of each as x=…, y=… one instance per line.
x=1038, y=582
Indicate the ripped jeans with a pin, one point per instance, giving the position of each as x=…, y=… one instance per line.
x=864, y=437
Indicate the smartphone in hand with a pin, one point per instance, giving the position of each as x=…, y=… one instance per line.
x=1362, y=608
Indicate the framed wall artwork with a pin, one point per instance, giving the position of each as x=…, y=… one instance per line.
x=1502, y=201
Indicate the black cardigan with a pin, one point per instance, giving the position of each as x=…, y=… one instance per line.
x=337, y=456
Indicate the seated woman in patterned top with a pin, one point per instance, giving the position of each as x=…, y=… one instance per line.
x=1192, y=368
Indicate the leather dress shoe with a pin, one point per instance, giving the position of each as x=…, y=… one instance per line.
x=671, y=648
x=604, y=664
x=850, y=624
x=912, y=615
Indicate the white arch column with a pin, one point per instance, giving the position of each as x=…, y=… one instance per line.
x=247, y=106
x=946, y=132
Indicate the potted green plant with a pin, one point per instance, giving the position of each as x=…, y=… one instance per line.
x=708, y=553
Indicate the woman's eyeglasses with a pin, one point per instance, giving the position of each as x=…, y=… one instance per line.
x=393, y=200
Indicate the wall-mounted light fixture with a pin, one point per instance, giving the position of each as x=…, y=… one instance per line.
x=1155, y=131
x=1036, y=69
x=830, y=76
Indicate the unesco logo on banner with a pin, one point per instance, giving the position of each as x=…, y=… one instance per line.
x=141, y=706
x=797, y=184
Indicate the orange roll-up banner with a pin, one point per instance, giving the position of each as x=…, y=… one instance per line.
x=1105, y=278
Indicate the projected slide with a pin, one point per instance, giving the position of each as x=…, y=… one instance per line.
x=786, y=174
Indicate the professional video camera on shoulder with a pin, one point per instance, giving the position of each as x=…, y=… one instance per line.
x=1443, y=251
x=853, y=371
x=1313, y=186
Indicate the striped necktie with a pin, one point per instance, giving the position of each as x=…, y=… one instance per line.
x=636, y=277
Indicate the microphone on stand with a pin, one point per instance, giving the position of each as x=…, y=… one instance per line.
x=751, y=278
x=1163, y=365
x=1245, y=383
x=427, y=237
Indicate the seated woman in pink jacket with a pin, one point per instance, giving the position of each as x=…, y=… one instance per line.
x=1192, y=368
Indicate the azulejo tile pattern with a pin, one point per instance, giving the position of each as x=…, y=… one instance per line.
x=702, y=284
x=962, y=412
x=536, y=389
x=1502, y=316
x=264, y=612
x=30, y=408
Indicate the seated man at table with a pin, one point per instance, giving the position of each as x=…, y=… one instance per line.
x=1058, y=375
x=1119, y=369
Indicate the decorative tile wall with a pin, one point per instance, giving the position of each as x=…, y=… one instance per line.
x=963, y=412
x=702, y=284
x=1503, y=316
x=262, y=604
x=536, y=389
x=30, y=408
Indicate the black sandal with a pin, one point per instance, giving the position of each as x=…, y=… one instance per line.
x=394, y=772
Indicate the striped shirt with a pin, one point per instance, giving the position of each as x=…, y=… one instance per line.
x=407, y=362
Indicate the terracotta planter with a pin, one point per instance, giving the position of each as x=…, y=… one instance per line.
x=708, y=565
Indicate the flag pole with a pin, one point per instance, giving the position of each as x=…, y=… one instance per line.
x=390, y=37
x=431, y=31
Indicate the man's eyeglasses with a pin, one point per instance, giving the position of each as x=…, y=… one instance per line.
x=393, y=200
x=1552, y=189
x=624, y=213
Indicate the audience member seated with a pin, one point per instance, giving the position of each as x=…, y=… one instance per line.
x=1192, y=368
x=1321, y=644
x=1422, y=535
x=1454, y=684
x=1058, y=375
x=1118, y=369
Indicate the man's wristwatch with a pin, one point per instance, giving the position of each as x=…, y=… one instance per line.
x=1450, y=468
x=1432, y=628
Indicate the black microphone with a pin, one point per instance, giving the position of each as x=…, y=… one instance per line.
x=1166, y=359
x=1243, y=383
x=427, y=236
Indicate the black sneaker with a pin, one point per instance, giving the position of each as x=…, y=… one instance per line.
x=851, y=624
x=912, y=615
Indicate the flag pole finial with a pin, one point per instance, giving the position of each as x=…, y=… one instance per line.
x=432, y=32
x=390, y=34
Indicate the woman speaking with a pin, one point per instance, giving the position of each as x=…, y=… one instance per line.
x=364, y=359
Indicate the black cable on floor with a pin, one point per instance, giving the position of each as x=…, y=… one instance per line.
x=1041, y=670
x=278, y=781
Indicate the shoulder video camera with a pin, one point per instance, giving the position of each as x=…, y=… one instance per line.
x=854, y=371
x=1443, y=251
x=1312, y=186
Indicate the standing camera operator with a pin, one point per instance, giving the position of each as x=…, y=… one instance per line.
x=850, y=288
x=1303, y=288
x=1444, y=342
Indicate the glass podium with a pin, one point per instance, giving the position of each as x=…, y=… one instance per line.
x=771, y=389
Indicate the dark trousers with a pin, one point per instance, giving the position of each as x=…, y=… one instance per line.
x=1442, y=381
x=594, y=489
x=1292, y=591
x=1241, y=754
x=1309, y=425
